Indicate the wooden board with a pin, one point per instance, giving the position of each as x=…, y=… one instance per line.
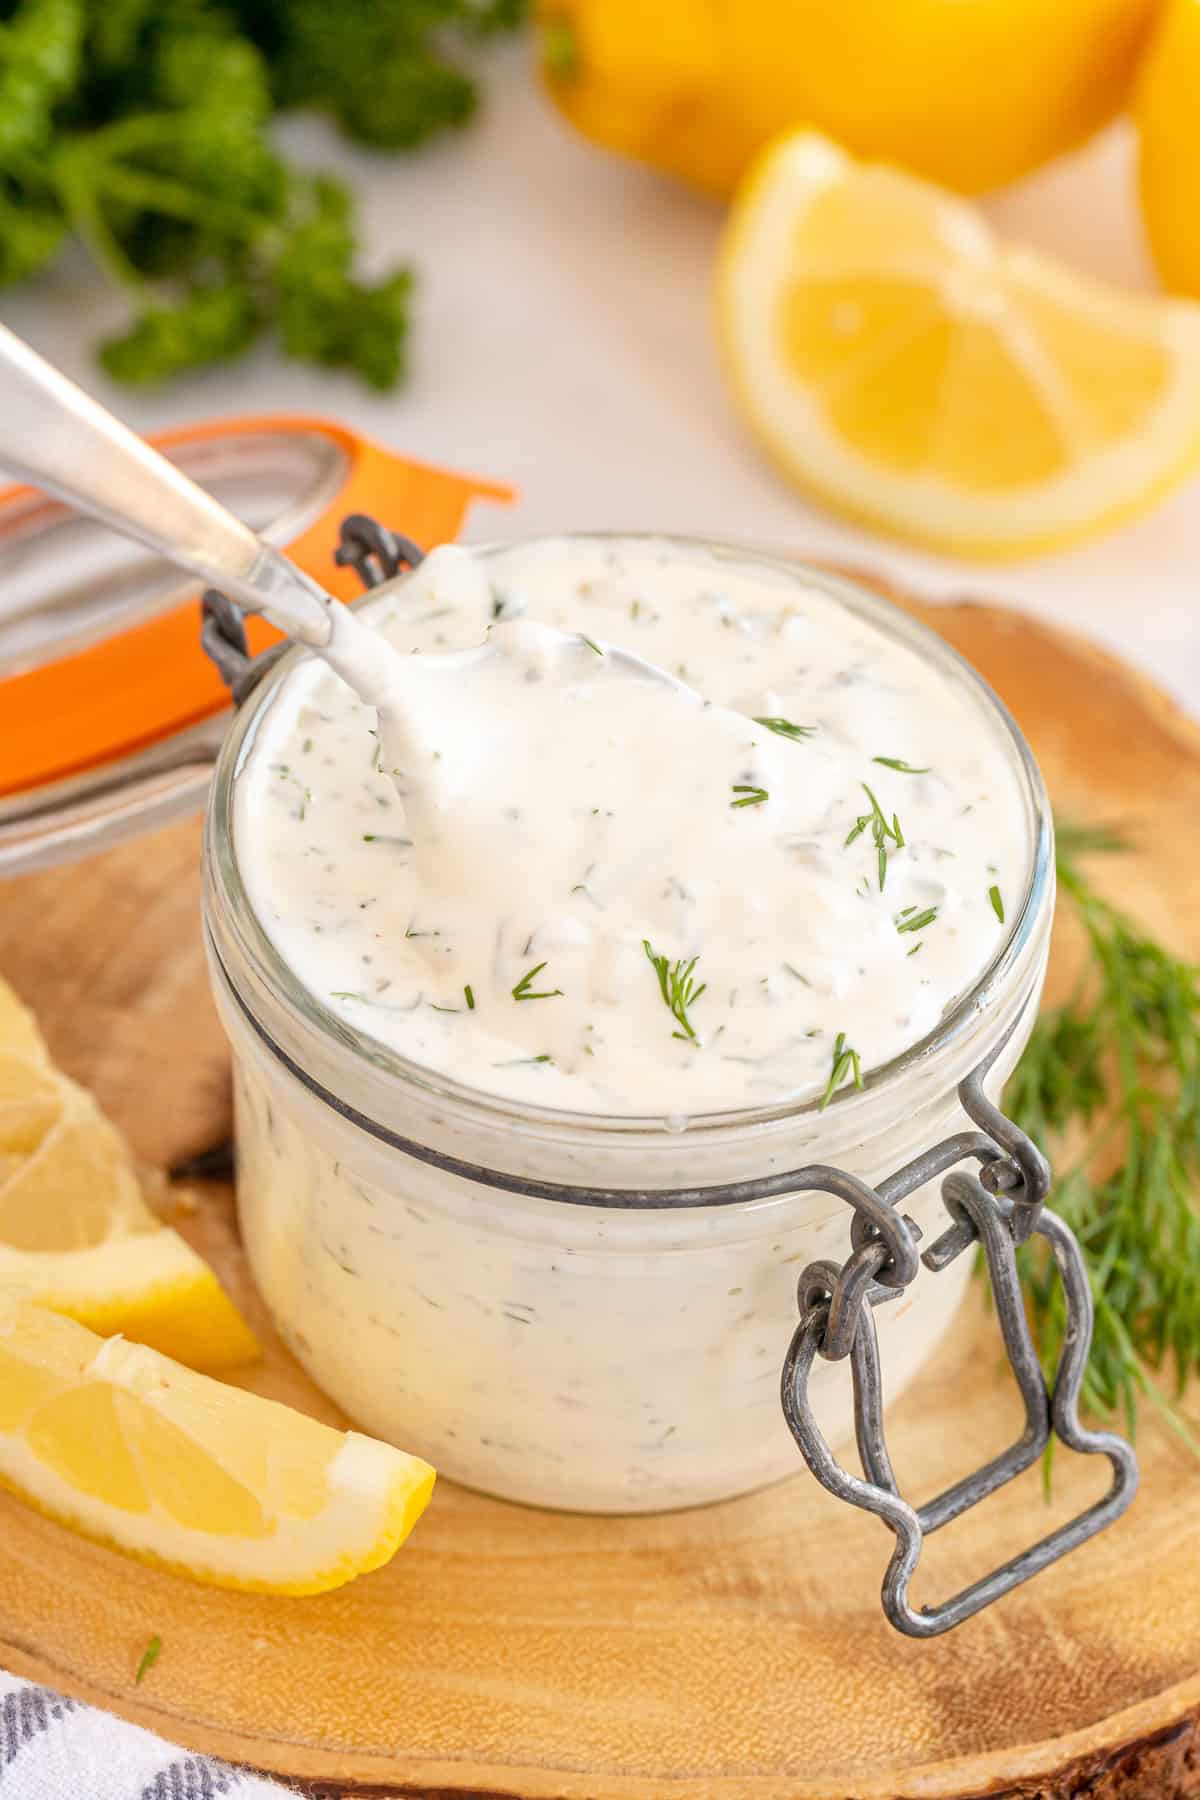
x=736, y=1652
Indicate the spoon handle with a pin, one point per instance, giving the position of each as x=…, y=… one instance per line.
x=57, y=438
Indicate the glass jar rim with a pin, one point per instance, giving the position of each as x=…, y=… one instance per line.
x=224, y=882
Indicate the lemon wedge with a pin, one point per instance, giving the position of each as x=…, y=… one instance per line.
x=19, y=1031
x=134, y=1450
x=911, y=371
x=76, y=1231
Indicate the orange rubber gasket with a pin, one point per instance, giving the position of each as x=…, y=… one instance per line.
x=142, y=685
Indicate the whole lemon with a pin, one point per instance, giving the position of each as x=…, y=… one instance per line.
x=1167, y=109
x=970, y=93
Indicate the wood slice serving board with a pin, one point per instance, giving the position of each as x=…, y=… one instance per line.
x=736, y=1652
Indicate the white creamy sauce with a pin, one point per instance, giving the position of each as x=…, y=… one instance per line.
x=556, y=880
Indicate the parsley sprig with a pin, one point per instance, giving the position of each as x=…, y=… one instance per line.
x=881, y=832
x=677, y=985
x=144, y=130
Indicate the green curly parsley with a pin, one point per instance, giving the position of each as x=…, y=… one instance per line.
x=142, y=129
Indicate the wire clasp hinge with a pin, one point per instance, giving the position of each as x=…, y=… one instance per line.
x=999, y=1208
x=374, y=553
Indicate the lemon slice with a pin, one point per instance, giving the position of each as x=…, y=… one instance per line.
x=30, y=1104
x=913, y=372
x=131, y=1448
x=72, y=1184
x=76, y=1232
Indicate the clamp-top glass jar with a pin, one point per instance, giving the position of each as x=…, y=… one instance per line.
x=614, y=1346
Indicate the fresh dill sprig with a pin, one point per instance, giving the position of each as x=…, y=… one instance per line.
x=997, y=900
x=845, y=1063
x=1072, y=840
x=881, y=832
x=523, y=991
x=751, y=796
x=469, y=997
x=898, y=763
x=1122, y=1057
x=591, y=644
x=677, y=985
x=785, y=728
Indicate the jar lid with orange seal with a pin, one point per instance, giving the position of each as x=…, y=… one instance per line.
x=110, y=714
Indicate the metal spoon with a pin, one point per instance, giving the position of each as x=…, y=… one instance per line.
x=56, y=437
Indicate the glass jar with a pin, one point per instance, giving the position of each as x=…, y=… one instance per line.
x=617, y=1347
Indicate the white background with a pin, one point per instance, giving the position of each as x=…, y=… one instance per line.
x=563, y=342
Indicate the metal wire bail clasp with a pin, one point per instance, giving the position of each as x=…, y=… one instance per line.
x=999, y=1209
x=375, y=554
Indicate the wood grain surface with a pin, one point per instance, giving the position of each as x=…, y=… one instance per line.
x=735, y=1652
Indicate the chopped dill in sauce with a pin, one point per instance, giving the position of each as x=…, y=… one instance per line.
x=898, y=763
x=587, y=852
x=845, y=1066
x=785, y=728
x=676, y=982
x=881, y=832
x=523, y=990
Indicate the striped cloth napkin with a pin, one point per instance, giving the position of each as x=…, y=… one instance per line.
x=52, y=1748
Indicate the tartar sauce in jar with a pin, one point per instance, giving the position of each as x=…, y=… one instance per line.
x=591, y=939
x=598, y=902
